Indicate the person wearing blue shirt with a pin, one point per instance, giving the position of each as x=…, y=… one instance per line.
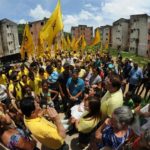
x=135, y=77
x=75, y=88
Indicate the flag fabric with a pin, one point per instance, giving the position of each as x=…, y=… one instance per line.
x=68, y=42
x=97, y=38
x=53, y=26
x=56, y=47
x=40, y=48
x=64, y=43
x=76, y=45
x=27, y=43
x=83, y=42
x=22, y=52
x=73, y=42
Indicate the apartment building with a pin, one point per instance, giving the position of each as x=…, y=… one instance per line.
x=83, y=30
x=139, y=42
x=9, y=43
x=120, y=34
x=106, y=35
x=35, y=28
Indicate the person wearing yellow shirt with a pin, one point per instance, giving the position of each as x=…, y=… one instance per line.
x=42, y=75
x=82, y=72
x=23, y=71
x=50, y=134
x=11, y=70
x=113, y=97
x=89, y=121
x=24, y=80
x=88, y=58
x=59, y=67
x=34, y=68
x=3, y=79
x=15, y=87
x=34, y=83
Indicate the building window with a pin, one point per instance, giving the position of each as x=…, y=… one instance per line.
x=42, y=23
x=131, y=30
x=7, y=26
x=11, y=51
x=30, y=25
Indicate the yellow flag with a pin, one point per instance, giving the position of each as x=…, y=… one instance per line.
x=73, y=42
x=97, y=38
x=76, y=45
x=40, y=48
x=27, y=43
x=56, y=47
x=83, y=44
x=53, y=26
x=63, y=43
x=22, y=52
x=68, y=42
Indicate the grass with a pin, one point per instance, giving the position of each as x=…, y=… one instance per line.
x=139, y=59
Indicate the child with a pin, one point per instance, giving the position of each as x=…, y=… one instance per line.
x=128, y=100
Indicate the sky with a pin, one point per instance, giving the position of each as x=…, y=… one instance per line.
x=75, y=12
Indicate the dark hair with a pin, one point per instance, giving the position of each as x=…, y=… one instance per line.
x=33, y=64
x=44, y=81
x=27, y=106
x=14, y=75
x=94, y=108
x=41, y=70
x=31, y=74
x=49, y=69
x=98, y=92
x=115, y=80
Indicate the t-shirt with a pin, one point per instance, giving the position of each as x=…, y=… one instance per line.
x=45, y=132
x=21, y=73
x=129, y=103
x=63, y=78
x=16, y=90
x=59, y=70
x=82, y=73
x=75, y=88
x=35, y=85
x=86, y=125
x=135, y=76
x=111, y=101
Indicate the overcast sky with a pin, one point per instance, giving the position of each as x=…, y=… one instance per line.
x=90, y=12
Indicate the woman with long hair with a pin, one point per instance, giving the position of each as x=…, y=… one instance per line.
x=89, y=121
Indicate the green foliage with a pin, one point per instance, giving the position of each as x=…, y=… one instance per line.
x=139, y=59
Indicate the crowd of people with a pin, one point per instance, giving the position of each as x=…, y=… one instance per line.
x=104, y=100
